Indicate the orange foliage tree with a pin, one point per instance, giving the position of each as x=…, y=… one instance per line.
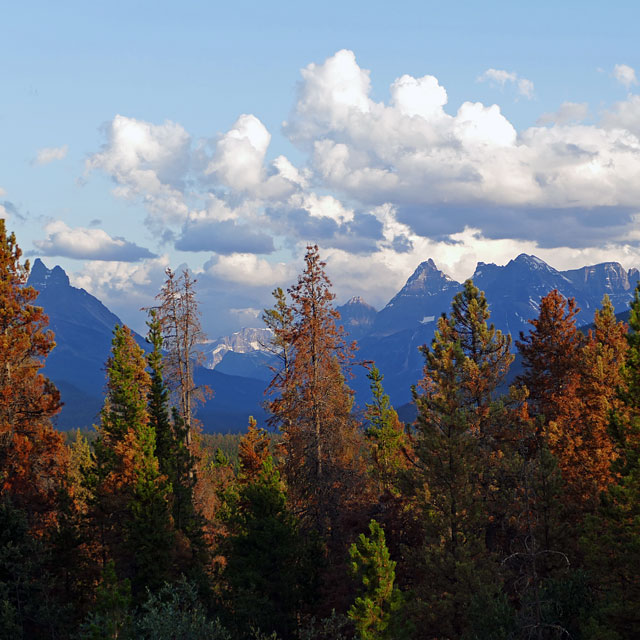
x=32, y=454
x=579, y=437
x=573, y=381
x=312, y=403
x=550, y=354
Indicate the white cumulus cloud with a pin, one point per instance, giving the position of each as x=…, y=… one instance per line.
x=625, y=75
x=146, y=161
x=88, y=244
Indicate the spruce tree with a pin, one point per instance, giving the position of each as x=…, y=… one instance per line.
x=464, y=448
x=271, y=568
x=131, y=496
x=385, y=435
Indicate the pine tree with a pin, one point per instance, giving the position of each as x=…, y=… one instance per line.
x=176, y=461
x=253, y=450
x=32, y=455
x=111, y=617
x=312, y=403
x=579, y=437
x=376, y=612
x=463, y=443
x=385, y=434
x=131, y=496
x=271, y=568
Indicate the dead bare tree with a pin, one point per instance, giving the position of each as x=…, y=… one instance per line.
x=182, y=333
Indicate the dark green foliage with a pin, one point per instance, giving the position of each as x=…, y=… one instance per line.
x=491, y=617
x=334, y=627
x=175, y=612
x=28, y=608
x=111, y=614
x=130, y=503
x=175, y=460
x=271, y=569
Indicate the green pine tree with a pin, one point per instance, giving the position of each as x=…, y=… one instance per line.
x=110, y=618
x=175, y=460
x=131, y=497
x=463, y=444
x=376, y=611
x=385, y=434
x=271, y=568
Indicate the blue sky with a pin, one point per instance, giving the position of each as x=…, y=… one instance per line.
x=141, y=135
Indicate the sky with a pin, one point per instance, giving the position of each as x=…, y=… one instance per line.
x=226, y=137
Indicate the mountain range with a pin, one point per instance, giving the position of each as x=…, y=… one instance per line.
x=236, y=367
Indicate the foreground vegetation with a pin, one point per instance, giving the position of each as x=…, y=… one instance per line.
x=493, y=516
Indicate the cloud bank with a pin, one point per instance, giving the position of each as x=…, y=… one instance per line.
x=88, y=244
x=380, y=185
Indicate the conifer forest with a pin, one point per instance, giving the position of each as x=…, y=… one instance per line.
x=508, y=510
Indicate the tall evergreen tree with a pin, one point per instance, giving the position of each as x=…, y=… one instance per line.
x=463, y=443
x=176, y=460
x=131, y=496
x=385, y=434
x=271, y=568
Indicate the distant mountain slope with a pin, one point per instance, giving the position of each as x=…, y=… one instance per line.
x=357, y=317
x=239, y=366
x=83, y=327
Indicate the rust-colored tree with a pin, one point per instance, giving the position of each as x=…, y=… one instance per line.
x=551, y=354
x=33, y=457
x=612, y=537
x=311, y=402
x=253, y=450
x=579, y=436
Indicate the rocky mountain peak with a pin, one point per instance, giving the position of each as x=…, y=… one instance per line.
x=356, y=301
x=427, y=278
x=40, y=277
x=531, y=262
x=610, y=277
